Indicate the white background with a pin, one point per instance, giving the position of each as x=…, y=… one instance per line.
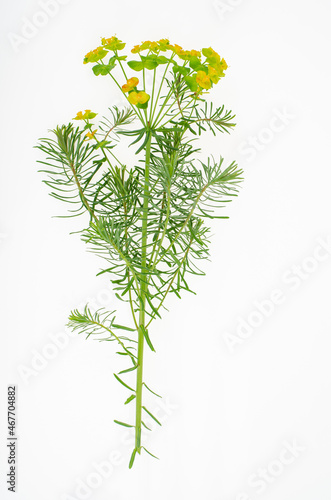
x=231, y=409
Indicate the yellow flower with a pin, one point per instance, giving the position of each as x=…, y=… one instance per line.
x=163, y=44
x=126, y=88
x=203, y=80
x=133, y=98
x=88, y=115
x=175, y=48
x=135, y=49
x=79, y=116
x=138, y=97
x=223, y=64
x=133, y=82
x=142, y=97
x=95, y=55
x=153, y=46
x=130, y=84
x=145, y=45
x=211, y=56
x=188, y=54
x=112, y=43
x=183, y=54
x=220, y=68
x=85, y=116
x=90, y=135
x=213, y=74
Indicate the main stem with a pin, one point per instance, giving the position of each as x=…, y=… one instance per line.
x=143, y=290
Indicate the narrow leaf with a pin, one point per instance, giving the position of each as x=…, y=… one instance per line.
x=150, y=390
x=148, y=340
x=123, y=383
x=123, y=423
x=130, y=398
x=151, y=415
x=149, y=453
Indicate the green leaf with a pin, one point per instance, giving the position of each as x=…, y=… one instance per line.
x=130, y=398
x=162, y=59
x=123, y=423
x=123, y=383
x=102, y=144
x=191, y=83
x=148, y=340
x=127, y=288
x=129, y=369
x=150, y=64
x=195, y=62
x=150, y=390
x=202, y=68
x=151, y=415
x=135, y=65
x=152, y=306
x=142, y=106
x=149, y=453
x=183, y=70
x=103, y=69
x=121, y=327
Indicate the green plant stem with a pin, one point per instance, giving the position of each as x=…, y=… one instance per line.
x=143, y=291
x=157, y=241
x=152, y=97
x=171, y=105
x=160, y=88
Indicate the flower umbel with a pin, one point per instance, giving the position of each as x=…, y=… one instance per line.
x=87, y=115
x=112, y=43
x=95, y=55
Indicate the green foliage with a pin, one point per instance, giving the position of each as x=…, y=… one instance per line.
x=102, y=69
x=147, y=221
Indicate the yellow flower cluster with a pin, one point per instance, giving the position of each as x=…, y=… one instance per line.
x=203, y=80
x=216, y=68
x=85, y=116
x=188, y=54
x=130, y=84
x=112, y=43
x=205, y=73
x=211, y=70
x=162, y=45
x=153, y=46
x=138, y=97
x=175, y=48
x=95, y=55
x=216, y=65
